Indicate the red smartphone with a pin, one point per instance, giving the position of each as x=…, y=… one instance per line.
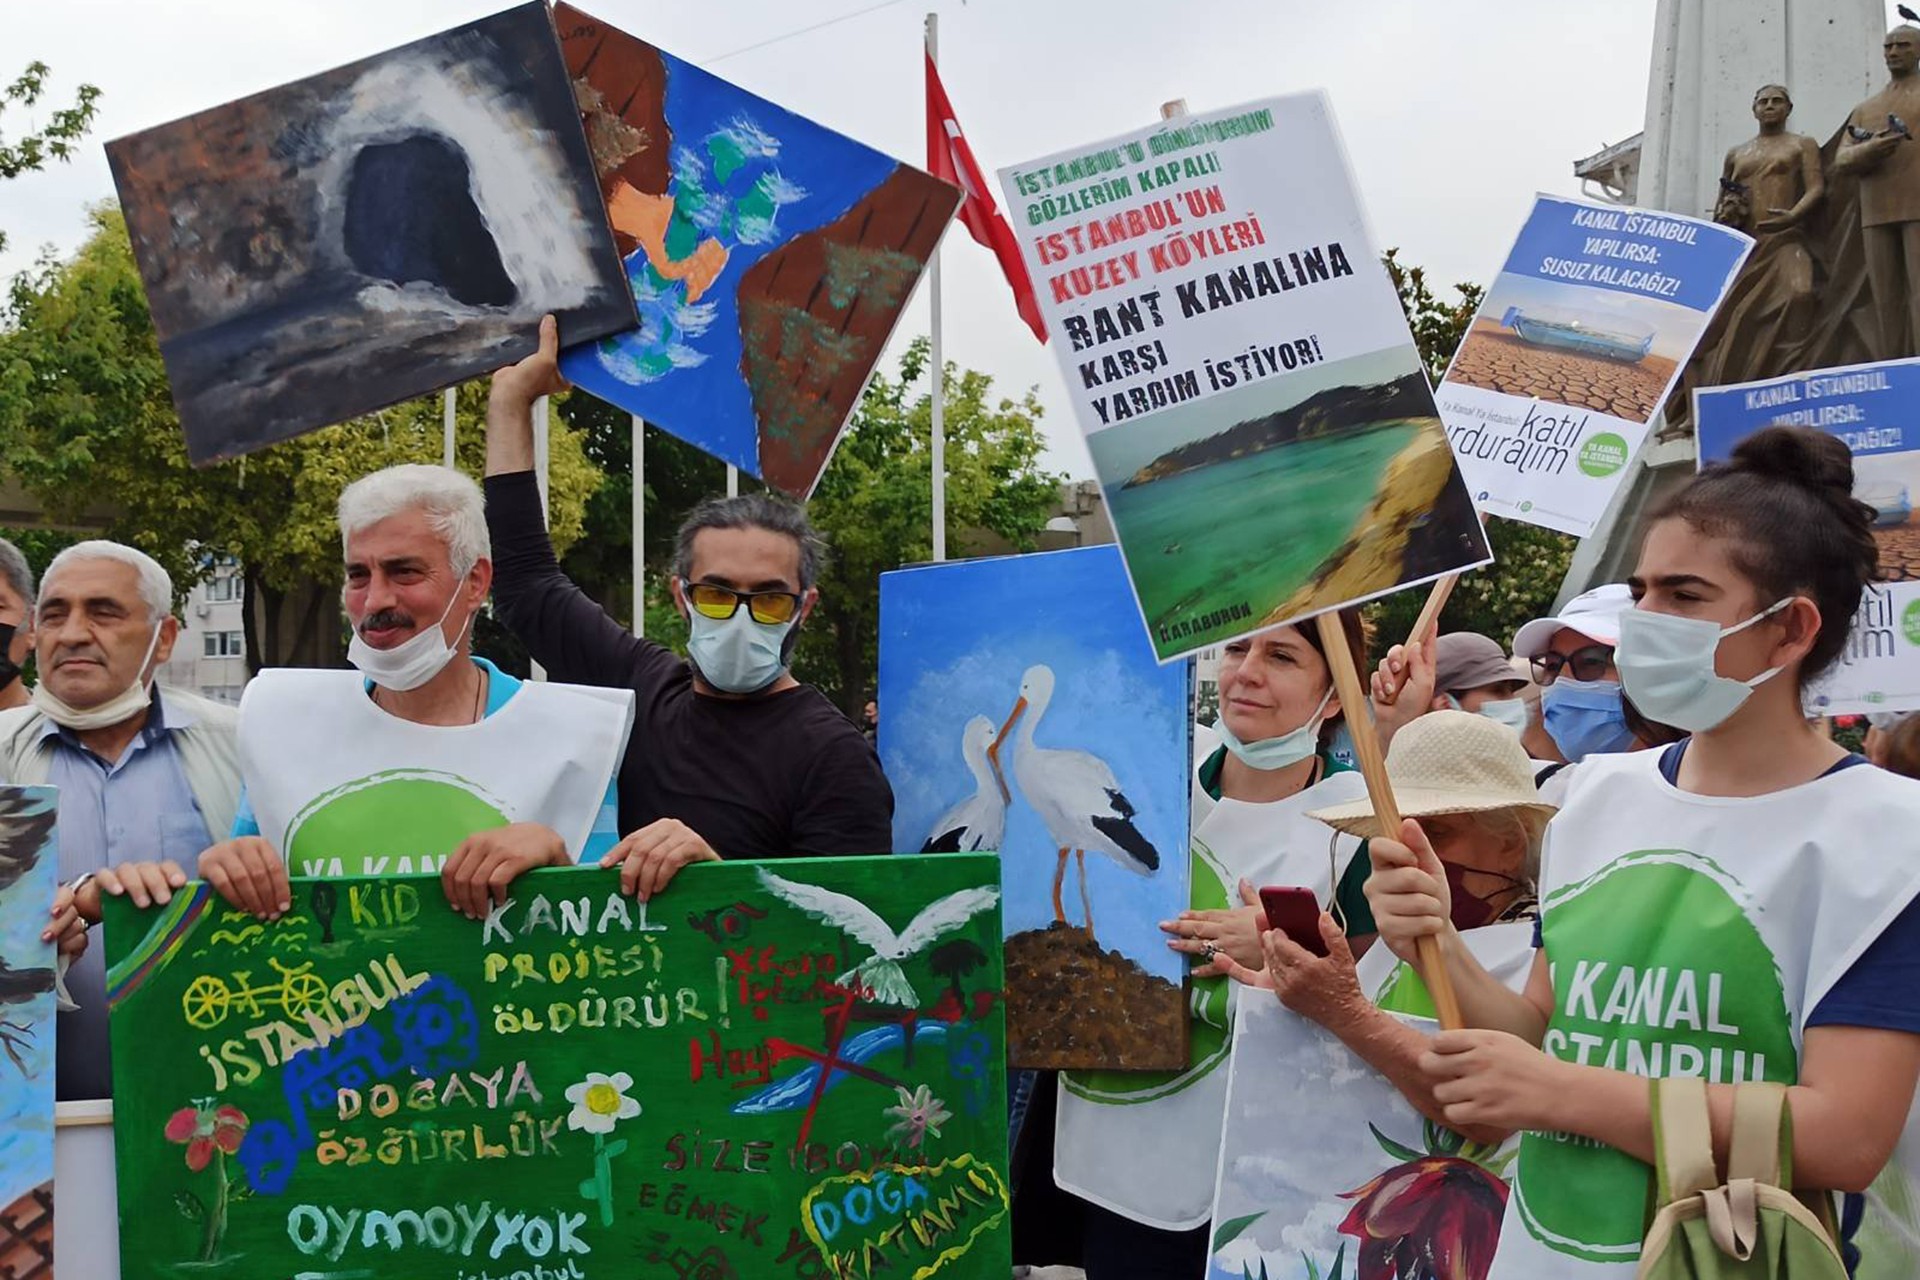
x=1296, y=913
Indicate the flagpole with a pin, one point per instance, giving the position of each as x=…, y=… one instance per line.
x=638, y=430
x=446, y=429
x=939, y=460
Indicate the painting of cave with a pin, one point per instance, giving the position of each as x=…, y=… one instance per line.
x=770, y=257
x=336, y=245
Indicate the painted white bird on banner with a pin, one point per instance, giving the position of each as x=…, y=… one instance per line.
x=880, y=973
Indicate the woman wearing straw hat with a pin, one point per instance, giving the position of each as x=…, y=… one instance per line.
x=1470, y=783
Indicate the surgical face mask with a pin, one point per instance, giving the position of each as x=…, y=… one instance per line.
x=1470, y=910
x=737, y=654
x=1666, y=666
x=1584, y=717
x=1269, y=754
x=1511, y=712
x=126, y=704
x=9, y=672
x=412, y=662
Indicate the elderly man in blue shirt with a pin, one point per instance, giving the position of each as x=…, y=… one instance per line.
x=144, y=774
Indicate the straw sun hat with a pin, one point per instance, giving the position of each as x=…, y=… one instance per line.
x=1448, y=762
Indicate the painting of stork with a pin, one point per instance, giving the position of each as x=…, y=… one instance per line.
x=28, y=871
x=1023, y=711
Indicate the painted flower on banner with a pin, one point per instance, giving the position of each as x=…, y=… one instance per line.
x=204, y=1128
x=917, y=1114
x=600, y=1102
x=1436, y=1214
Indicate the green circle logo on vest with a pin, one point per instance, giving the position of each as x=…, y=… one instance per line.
x=1657, y=970
x=1603, y=455
x=392, y=823
x=1209, y=1024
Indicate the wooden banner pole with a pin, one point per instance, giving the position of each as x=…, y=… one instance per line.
x=1373, y=767
x=1427, y=626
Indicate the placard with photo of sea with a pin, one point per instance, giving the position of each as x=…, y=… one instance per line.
x=1238, y=361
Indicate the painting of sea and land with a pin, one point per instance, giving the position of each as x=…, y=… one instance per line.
x=1286, y=498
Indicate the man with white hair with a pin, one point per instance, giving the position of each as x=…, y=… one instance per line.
x=144, y=775
x=430, y=758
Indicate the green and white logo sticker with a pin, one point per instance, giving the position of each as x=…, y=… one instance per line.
x=1659, y=971
x=1603, y=455
x=392, y=823
x=1910, y=622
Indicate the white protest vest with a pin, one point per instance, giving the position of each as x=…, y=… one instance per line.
x=1692, y=935
x=1505, y=951
x=1317, y=1147
x=1145, y=1145
x=340, y=787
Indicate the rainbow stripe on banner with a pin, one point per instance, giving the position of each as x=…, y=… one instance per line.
x=159, y=946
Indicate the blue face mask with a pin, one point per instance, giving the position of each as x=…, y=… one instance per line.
x=737, y=654
x=1584, y=717
x=1269, y=754
x=1511, y=712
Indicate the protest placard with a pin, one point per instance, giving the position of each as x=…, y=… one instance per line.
x=1576, y=346
x=1238, y=361
x=787, y=1069
x=1872, y=408
x=29, y=867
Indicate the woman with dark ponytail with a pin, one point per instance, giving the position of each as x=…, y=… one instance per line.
x=1737, y=906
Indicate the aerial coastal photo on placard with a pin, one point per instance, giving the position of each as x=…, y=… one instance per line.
x=1374, y=499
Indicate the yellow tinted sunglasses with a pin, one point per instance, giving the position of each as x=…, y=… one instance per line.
x=720, y=603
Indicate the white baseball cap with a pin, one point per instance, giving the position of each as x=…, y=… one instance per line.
x=1594, y=614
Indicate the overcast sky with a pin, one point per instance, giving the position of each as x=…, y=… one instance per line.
x=1456, y=111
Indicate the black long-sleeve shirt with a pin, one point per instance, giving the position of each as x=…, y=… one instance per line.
x=780, y=775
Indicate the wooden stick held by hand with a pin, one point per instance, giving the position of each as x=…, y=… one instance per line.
x=1373, y=767
x=1427, y=626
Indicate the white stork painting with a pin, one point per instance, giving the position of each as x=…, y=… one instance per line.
x=29, y=869
x=1078, y=775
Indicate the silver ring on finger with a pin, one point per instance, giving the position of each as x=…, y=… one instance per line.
x=1208, y=951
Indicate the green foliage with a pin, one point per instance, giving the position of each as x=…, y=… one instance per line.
x=875, y=503
x=1233, y=1228
x=1529, y=562
x=56, y=140
x=86, y=419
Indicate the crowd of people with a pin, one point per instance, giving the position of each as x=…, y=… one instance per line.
x=1647, y=723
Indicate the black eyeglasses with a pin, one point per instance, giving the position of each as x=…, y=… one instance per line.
x=1590, y=663
x=714, y=601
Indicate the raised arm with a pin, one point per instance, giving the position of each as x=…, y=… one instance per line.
x=563, y=629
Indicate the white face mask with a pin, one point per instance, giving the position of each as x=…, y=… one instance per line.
x=412, y=662
x=1666, y=667
x=1511, y=712
x=737, y=654
x=126, y=704
x=1269, y=754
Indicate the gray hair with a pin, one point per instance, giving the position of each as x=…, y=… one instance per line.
x=156, y=585
x=454, y=508
x=751, y=511
x=19, y=575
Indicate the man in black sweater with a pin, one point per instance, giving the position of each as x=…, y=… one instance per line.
x=731, y=757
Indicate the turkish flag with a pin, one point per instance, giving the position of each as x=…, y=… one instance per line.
x=951, y=159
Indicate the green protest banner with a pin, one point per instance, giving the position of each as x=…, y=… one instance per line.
x=771, y=1070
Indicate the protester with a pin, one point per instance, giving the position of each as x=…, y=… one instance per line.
x=1461, y=670
x=1706, y=910
x=1470, y=784
x=1572, y=660
x=731, y=757
x=144, y=774
x=16, y=624
x=427, y=746
x=1900, y=748
x=1535, y=738
x=1141, y=1147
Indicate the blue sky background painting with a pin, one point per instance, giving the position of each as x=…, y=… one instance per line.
x=26, y=1105
x=956, y=640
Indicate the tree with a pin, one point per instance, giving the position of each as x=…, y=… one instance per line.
x=55, y=141
x=1529, y=562
x=85, y=415
x=875, y=504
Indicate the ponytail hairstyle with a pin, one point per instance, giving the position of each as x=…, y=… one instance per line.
x=1784, y=504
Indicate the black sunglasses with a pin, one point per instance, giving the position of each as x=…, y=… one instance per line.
x=1590, y=663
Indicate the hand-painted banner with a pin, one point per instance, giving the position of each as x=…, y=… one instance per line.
x=770, y=256
x=29, y=869
x=1574, y=349
x=1873, y=409
x=771, y=1070
x=1239, y=363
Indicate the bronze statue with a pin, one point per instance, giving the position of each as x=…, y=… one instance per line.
x=1878, y=149
x=1780, y=172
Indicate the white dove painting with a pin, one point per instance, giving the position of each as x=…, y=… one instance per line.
x=880, y=974
x=1022, y=711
